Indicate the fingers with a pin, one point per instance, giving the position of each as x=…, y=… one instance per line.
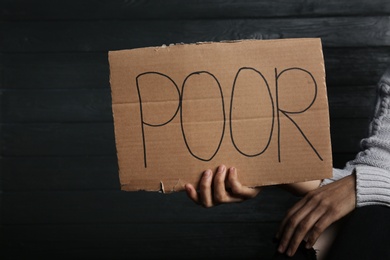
x=301, y=230
x=221, y=187
x=289, y=229
x=212, y=188
x=288, y=216
x=237, y=188
x=206, y=196
x=220, y=192
x=219, y=184
x=322, y=224
x=203, y=197
x=191, y=192
x=309, y=218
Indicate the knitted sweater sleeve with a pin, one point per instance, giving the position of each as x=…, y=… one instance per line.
x=372, y=164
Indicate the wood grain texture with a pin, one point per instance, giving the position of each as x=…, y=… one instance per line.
x=62, y=173
x=63, y=105
x=192, y=9
x=68, y=36
x=60, y=194
x=75, y=173
x=58, y=139
x=115, y=206
x=88, y=70
x=140, y=241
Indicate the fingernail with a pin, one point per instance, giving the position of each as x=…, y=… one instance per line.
x=221, y=168
x=281, y=249
x=207, y=173
x=289, y=252
x=232, y=170
x=307, y=246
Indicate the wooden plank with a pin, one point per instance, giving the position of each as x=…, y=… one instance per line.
x=75, y=121
x=74, y=139
x=191, y=9
x=140, y=241
x=83, y=173
x=63, y=105
x=97, y=207
x=58, y=139
x=355, y=66
x=351, y=101
x=1, y=71
x=344, y=67
x=340, y=159
x=94, y=105
x=75, y=173
x=55, y=70
x=347, y=133
x=68, y=36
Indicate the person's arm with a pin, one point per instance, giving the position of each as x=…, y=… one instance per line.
x=315, y=212
x=372, y=164
x=301, y=188
x=364, y=181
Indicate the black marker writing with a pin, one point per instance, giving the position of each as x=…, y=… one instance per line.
x=287, y=113
x=231, y=113
x=182, y=120
x=273, y=103
x=143, y=123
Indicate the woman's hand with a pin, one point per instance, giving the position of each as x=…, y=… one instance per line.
x=220, y=187
x=309, y=217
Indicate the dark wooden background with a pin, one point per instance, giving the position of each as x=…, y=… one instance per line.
x=60, y=195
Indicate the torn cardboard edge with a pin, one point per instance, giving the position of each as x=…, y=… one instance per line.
x=283, y=70
x=165, y=46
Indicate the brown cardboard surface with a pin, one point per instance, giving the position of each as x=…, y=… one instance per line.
x=258, y=105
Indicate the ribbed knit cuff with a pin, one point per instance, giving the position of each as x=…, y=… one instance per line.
x=372, y=186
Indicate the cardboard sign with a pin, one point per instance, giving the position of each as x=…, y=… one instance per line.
x=258, y=105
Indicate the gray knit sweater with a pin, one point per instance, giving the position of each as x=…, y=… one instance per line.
x=372, y=164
